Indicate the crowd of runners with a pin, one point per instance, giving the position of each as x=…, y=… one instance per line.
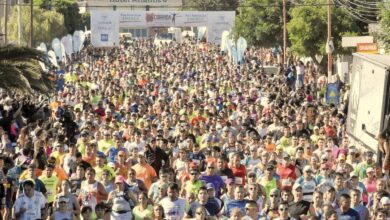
x=179, y=132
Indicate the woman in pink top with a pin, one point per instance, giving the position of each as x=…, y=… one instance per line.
x=370, y=181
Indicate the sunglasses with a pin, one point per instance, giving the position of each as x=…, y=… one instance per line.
x=193, y=174
x=62, y=202
x=210, y=168
x=283, y=209
x=273, y=195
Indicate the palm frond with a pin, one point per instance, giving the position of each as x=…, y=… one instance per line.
x=20, y=70
x=12, y=52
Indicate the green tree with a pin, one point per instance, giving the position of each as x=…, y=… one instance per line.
x=384, y=15
x=85, y=21
x=20, y=70
x=308, y=29
x=212, y=5
x=47, y=25
x=260, y=25
x=68, y=8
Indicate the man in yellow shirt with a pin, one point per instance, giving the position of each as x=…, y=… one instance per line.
x=51, y=183
x=59, y=152
x=106, y=143
x=82, y=142
x=101, y=166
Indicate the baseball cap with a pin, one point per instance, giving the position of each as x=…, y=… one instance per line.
x=352, y=175
x=274, y=192
x=296, y=186
x=210, y=186
x=63, y=199
x=385, y=200
x=342, y=157
x=119, y=179
x=370, y=169
x=307, y=168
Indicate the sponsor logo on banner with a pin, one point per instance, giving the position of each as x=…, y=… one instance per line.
x=161, y=19
x=132, y=18
x=104, y=37
x=104, y=28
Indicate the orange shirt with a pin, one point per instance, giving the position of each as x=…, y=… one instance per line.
x=121, y=170
x=270, y=147
x=90, y=159
x=145, y=173
x=61, y=174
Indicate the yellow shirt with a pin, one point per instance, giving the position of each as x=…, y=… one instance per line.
x=99, y=172
x=104, y=145
x=59, y=156
x=50, y=184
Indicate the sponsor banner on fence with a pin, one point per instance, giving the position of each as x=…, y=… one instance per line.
x=103, y=23
x=104, y=28
x=136, y=3
x=175, y=18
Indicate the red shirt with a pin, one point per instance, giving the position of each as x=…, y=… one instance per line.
x=285, y=173
x=239, y=173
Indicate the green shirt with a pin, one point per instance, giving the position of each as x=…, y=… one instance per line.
x=50, y=184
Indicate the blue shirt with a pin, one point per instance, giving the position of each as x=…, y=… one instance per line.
x=351, y=214
x=235, y=204
x=215, y=180
x=112, y=153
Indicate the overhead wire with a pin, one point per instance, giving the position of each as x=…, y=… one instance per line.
x=353, y=13
x=362, y=7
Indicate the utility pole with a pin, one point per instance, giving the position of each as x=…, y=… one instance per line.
x=330, y=65
x=284, y=60
x=31, y=23
x=5, y=21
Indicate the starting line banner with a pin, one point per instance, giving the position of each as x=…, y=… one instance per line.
x=215, y=21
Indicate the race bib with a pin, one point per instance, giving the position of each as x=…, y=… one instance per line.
x=286, y=182
x=196, y=161
x=238, y=180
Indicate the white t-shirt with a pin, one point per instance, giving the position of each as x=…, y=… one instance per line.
x=32, y=205
x=174, y=210
x=69, y=162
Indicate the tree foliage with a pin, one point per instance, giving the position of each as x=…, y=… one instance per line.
x=308, y=29
x=68, y=8
x=384, y=15
x=47, y=25
x=261, y=26
x=85, y=21
x=212, y=5
x=20, y=70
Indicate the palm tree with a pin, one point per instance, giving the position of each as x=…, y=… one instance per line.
x=20, y=70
